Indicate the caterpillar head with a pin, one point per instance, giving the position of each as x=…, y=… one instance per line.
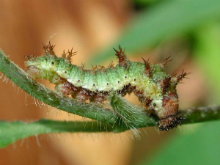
x=166, y=106
x=168, y=116
x=37, y=67
x=166, y=109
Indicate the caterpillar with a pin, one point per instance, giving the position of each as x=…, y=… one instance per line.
x=155, y=89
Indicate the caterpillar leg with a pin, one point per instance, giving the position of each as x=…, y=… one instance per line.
x=82, y=94
x=99, y=97
x=65, y=89
x=78, y=93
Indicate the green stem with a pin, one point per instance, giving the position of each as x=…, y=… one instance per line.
x=200, y=114
x=12, y=131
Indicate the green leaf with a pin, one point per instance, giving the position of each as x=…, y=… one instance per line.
x=164, y=21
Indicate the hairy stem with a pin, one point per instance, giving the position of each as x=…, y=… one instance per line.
x=12, y=131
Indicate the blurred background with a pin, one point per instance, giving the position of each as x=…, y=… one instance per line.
x=188, y=31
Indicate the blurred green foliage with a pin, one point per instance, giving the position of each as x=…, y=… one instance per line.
x=166, y=20
x=140, y=5
x=162, y=22
x=207, y=55
x=200, y=145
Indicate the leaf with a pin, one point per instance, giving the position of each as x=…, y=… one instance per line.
x=164, y=21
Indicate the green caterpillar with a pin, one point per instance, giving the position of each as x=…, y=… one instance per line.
x=155, y=89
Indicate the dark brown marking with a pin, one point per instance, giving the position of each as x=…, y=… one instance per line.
x=178, y=78
x=79, y=93
x=182, y=76
x=127, y=89
x=111, y=65
x=147, y=102
x=166, y=61
x=147, y=70
x=168, y=123
x=99, y=97
x=121, y=57
x=102, y=68
x=170, y=104
x=94, y=69
x=49, y=48
x=65, y=88
x=82, y=95
x=70, y=54
x=165, y=84
x=140, y=95
x=64, y=54
x=168, y=117
x=29, y=57
x=82, y=66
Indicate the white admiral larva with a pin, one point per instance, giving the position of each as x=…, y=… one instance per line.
x=155, y=89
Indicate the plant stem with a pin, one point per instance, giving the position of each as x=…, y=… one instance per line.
x=200, y=114
x=12, y=131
